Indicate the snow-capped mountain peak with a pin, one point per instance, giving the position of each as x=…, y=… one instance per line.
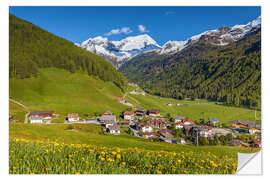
x=117, y=52
x=222, y=36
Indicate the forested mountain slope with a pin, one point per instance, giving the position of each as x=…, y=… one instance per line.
x=231, y=73
x=31, y=48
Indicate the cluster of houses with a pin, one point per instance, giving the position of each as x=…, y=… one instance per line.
x=156, y=126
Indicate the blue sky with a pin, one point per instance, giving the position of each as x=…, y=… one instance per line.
x=162, y=23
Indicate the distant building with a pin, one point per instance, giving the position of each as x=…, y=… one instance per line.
x=243, y=124
x=107, y=120
x=139, y=113
x=254, y=130
x=156, y=123
x=212, y=120
x=121, y=99
x=129, y=115
x=40, y=116
x=154, y=112
x=148, y=135
x=107, y=113
x=165, y=133
x=179, y=118
x=256, y=143
x=113, y=129
x=73, y=117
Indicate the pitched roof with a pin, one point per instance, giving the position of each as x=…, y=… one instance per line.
x=108, y=118
x=107, y=112
x=213, y=119
x=40, y=112
x=72, y=115
x=154, y=111
x=248, y=124
x=179, y=118
x=128, y=113
x=114, y=127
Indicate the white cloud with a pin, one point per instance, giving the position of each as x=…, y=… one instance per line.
x=124, y=30
x=169, y=12
x=142, y=28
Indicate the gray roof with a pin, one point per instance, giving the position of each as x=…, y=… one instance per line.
x=114, y=127
x=213, y=119
x=108, y=119
x=40, y=112
x=179, y=117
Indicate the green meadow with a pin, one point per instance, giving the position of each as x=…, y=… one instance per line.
x=194, y=110
x=64, y=92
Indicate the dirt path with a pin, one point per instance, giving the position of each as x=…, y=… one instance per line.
x=26, y=108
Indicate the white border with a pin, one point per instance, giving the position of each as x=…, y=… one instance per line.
x=4, y=73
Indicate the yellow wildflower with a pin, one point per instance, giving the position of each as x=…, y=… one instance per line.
x=179, y=160
x=123, y=163
x=77, y=173
x=118, y=156
x=114, y=153
x=159, y=172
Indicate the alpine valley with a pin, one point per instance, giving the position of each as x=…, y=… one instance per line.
x=221, y=65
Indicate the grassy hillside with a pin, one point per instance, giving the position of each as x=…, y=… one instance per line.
x=32, y=48
x=64, y=92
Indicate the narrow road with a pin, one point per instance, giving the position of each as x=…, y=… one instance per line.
x=26, y=118
x=26, y=108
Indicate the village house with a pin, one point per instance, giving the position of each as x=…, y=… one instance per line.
x=205, y=131
x=107, y=113
x=91, y=121
x=142, y=126
x=154, y=112
x=179, y=125
x=113, y=129
x=165, y=133
x=214, y=121
x=156, y=123
x=121, y=99
x=179, y=118
x=107, y=120
x=139, y=113
x=170, y=104
x=237, y=142
x=254, y=130
x=129, y=115
x=242, y=124
x=73, y=117
x=187, y=122
x=148, y=135
x=40, y=116
x=256, y=143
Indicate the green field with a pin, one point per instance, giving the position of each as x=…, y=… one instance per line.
x=194, y=110
x=34, y=140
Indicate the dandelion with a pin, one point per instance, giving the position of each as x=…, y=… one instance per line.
x=123, y=163
x=233, y=171
x=77, y=173
x=47, y=169
x=37, y=159
x=179, y=160
x=118, y=156
x=114, y=153
x=159, y=172
x=14, y=167
x=185, y=172
x=70, y=155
